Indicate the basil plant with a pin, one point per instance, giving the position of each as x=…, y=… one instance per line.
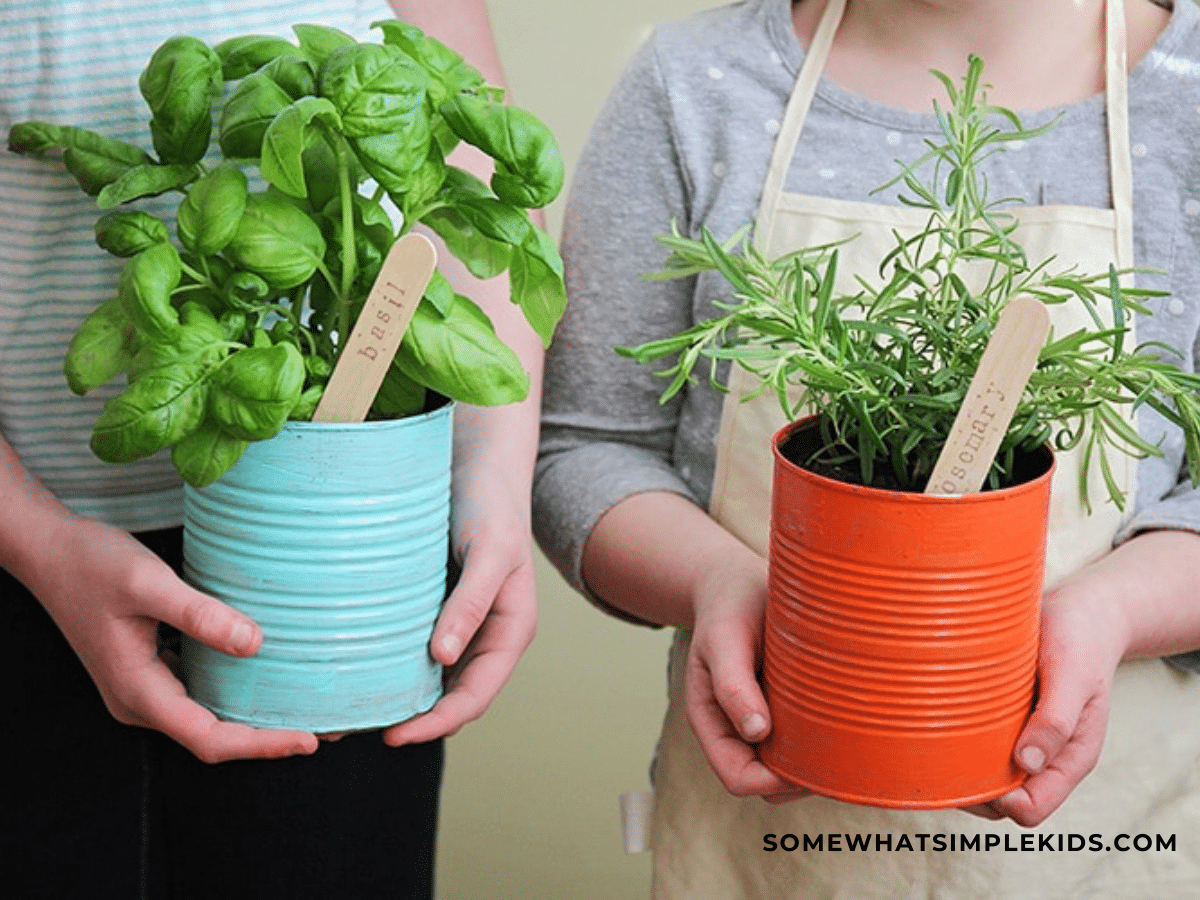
x=233, y=327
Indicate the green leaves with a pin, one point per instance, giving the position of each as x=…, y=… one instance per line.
x=145, y=291
x=252, y=392
x=178, y=84
x=93, y=159
x=130, y=232
x=232, y=325
x=529, y=170
x=209, y=216
x=160, y=408
x=101, y=348
x=240, y=56
x=375, y=88
x=458, y=355
x=888, y=362
x=285, y=140
x=276, y=241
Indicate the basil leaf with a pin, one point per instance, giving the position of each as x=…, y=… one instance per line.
x=206, y=454
x=398, y=395
x=208, y=217
x=440, y=293
x=394, y=160
x=156, y=410
x=448, y=73
x=294, y=75
x=483, y=257
x=178, y=84
x=249, y=111
x=319, y=41
x=246, y=292
x=101, y=348
x=461, y=357
x=129, y=232
x=200, y=340
x=253, y=390
x=248, y=53
x=536, y=280
x=93, y=159
x=423, y=185
x=147, y=281
x=529, y=170
x=276, y=241
x=146, y=181
x=376, y=90
x=284, y=143
x=307, y=404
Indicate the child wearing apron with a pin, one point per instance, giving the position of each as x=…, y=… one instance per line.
x=611, y=539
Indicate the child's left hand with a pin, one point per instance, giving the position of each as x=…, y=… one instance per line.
x=1141, y=600
x=1084, y=637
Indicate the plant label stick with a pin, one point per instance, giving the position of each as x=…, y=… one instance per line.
x=992, y=397
x=378, y=332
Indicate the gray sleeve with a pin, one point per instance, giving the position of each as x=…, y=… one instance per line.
x=605, y=436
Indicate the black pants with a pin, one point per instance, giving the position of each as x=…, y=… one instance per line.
x=90, y=808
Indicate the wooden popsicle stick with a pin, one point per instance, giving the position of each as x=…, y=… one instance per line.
x=379, y=330
x=992, y=397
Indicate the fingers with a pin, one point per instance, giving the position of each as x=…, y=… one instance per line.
x=167, y=599
x=482, y=671
x=1050, y=784
x=483, y=578
x=146, y=692
x=154, y=698
x=721, y=690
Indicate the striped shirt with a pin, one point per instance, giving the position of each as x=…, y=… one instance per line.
x=78, y=63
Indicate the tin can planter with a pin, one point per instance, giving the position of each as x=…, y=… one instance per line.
x=901, y=635
x=334, y=538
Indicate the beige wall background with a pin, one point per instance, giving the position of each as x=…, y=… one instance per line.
x=530, y=804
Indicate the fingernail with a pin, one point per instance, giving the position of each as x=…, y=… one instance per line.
x=753, y=726
x=452, y=644
x=1032, y=759
x=242, y=637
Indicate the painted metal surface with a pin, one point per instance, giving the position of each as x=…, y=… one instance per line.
x=901, y=638
x=334, y=538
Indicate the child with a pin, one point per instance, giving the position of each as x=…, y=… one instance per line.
x=789, y=115
x=110, y=788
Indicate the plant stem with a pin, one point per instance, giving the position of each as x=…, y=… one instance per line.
x=349, y=256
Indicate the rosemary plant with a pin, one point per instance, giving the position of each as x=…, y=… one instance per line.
x=888, y=364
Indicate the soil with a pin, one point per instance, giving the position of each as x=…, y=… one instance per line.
x=804, y=442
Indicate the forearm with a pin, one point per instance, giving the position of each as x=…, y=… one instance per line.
x=32, y=519
x=498, y=444
x=1152, y=585
x=658, y=556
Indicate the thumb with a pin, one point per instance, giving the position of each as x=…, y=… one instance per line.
x=734, y=685
x=1054, y=720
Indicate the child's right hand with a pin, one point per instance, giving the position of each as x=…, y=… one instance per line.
x=108, y=593
x=725, y=703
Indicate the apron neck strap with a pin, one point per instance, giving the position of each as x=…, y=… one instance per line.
x=1120, y=159
x=1116, y=106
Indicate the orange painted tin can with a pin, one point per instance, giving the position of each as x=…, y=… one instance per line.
x=901, y=636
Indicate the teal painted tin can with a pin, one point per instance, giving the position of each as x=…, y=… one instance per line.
x=334, y=538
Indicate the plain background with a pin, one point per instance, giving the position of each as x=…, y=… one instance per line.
x=530, y=805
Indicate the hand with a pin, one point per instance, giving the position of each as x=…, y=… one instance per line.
x=488, y=622
x=725, y=704
x=108, y=594
x=1083, y=640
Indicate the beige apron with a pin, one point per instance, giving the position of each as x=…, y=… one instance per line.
x=708, y=844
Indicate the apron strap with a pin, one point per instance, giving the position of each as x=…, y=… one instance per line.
x=793, y=119
x=1120, y=158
